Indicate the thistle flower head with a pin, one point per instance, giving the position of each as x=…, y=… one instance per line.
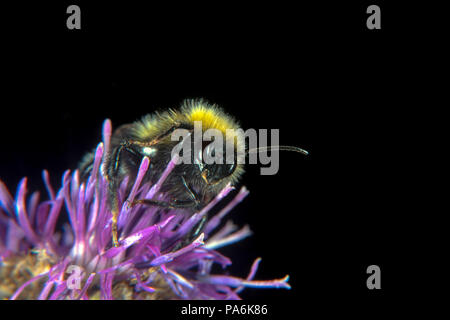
x=39, y=260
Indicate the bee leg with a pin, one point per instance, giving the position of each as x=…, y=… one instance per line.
x=115, y=213
x=111, y=176
x=199, y=227
x=163, y=204
x=114, y=228
x=175, y=204
x=191, y=192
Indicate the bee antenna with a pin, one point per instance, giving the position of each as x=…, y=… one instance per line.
x=282, y=148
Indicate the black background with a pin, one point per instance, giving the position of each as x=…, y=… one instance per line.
x=313, y=71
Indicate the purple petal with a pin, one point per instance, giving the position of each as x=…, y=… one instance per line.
x=170, y=256
x=180, y=279
x=107, y=130
x=130, y=240
x=215, y=221
x=252, y=273
x=70, y=209
x=53, y=217
x=124, y=216
x=48, y=185
x=6, y=200
x=81, y=213
x=141, y=173
x=46, y=291
x=197, y=256
x=238, y=282
x=106, y=285
x=60, y=288
x=97, y=160
x=163, y=177
x=244, y=232
x=74, y=186
x=26, y=284
x=32, y=206
x=22, y=213
x=42, y=216
x=86, y=285
x=14, y=236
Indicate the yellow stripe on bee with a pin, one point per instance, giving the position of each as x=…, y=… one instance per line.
x=210, y=118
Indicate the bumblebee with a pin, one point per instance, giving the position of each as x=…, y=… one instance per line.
x=190, y=185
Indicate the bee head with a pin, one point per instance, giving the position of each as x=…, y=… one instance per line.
x=215, y=166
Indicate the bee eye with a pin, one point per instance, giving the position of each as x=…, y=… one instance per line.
x=217, y=172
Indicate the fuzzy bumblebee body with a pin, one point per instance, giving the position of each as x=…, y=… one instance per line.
x=190, y=185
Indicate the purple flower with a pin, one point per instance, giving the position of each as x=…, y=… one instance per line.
x=38, y=260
